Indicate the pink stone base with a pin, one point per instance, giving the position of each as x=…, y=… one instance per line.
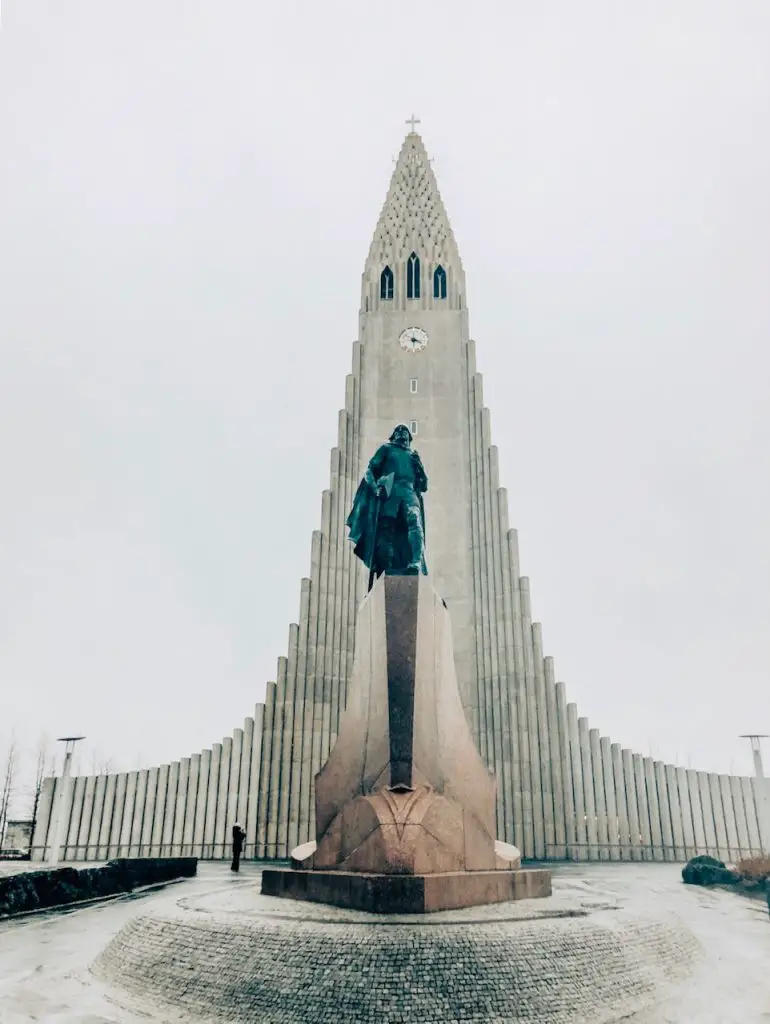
x=406, y=894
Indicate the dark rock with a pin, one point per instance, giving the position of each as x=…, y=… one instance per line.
x=705, y=870
x=33, y=890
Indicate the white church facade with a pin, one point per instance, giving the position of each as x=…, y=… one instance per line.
x=564, y=790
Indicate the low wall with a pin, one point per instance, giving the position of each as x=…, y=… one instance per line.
x=35, y=890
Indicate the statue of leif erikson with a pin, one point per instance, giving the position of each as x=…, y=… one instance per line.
x=387, y=521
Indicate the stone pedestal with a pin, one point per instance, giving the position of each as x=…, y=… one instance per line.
x=405, y=807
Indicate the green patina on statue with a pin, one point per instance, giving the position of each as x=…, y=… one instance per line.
x=387, y=521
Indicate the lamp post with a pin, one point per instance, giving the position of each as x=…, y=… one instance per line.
x=756, y=750
x=61, y=793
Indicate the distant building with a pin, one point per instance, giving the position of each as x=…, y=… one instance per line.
x=17, y=838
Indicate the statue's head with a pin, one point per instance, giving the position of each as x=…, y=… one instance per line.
x=401, y=435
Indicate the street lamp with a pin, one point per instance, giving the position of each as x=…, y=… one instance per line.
x=61, y=792
x=756, y=750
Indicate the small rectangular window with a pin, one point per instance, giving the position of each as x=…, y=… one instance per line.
x=413, y=385
x=413, y=427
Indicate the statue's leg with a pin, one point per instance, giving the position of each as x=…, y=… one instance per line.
x=385, y=537
x=416, y=537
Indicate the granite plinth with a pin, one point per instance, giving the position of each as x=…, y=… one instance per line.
x=408, y=893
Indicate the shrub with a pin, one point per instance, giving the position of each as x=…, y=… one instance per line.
x=754, y=869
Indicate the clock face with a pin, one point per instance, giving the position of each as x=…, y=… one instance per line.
x=413, y=339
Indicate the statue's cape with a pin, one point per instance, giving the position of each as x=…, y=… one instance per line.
x=362, y=520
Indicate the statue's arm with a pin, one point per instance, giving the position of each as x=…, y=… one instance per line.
x=374, y=469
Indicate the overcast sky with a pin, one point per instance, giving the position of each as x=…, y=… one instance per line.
x=188, y=190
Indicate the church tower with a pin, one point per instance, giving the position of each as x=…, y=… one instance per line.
x=563, y=789
x=414, y=363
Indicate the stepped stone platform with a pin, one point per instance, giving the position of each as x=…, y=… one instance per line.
x=234, y=955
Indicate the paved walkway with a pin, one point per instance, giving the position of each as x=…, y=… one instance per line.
x=44, y=959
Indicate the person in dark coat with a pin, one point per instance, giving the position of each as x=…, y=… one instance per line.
x=238, y=836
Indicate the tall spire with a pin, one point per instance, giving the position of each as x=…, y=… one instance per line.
x=414, y=219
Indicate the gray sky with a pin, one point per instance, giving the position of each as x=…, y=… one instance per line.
x=187, y=195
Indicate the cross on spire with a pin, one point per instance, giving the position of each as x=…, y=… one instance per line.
x=412, y=121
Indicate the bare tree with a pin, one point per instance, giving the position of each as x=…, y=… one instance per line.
x=101, y=765
x=8, y=789
x=43, y=768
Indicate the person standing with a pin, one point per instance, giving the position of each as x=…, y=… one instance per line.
x=238, y=836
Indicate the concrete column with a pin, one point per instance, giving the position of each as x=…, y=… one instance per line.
x=166, y=846
x=81, y=817
x=475, y=699
x=116, y=827
x=761, y=788
x=254, y=781
x=621, y=804
x=313, y=699
x=557, y=754
x=532, y=718
x=244, y=775
x=578, y=786
x=709, y=829
x=731, y=828
x=608, y=796
x=97, y=811
x=340, y=612
x=326, y=579
x=654, y=809
x=287, y=735
x=191, y=804
x=685, y=811
x=613, y=825
x=565, y=758
x=233, y=787
x=522, y=705
x=741, y=826
x=209, y=828
x=108, y=811
x=643, y=806
x=265, y=768
x=719, y=817
x=161, y=792
x=677, y=826
x=501, y=737
x=544, y=740
x=505, y=649
x=40, y=835
x=300, y=701
x=752, y=822
x=333, y=604
x=589, y=796
x=486, y=720
x=600, y=799
x=696, y=810
x=124, y=842
x=180, y=809
x=629, y=784
x=138, y=815
x=664, y=811
x=511, y=683
x=201, y=804
x=148, y=819
x=222, y=827
x=274, y=780
x=351, y=570
x=72, y=833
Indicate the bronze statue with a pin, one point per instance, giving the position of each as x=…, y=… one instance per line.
x=387, y=521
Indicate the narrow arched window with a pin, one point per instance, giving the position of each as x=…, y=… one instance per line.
x=413, y=277
x=386, y=284
x=439, y=283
